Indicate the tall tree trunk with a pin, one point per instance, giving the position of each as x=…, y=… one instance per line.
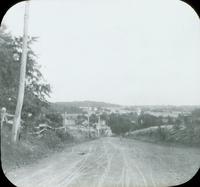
x=17, y=118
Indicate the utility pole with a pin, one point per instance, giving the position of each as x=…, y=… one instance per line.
x=89, y=124
x=17, y=118
x=99, y=120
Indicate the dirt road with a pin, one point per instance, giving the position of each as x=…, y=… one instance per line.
x=111, y=162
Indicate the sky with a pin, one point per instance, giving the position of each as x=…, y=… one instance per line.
x=129, y=52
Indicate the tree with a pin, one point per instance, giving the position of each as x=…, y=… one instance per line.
x=196, y=116
x=170, y=120
x=119, y=124
x=36, y=89
x=9, y=71
x=93, y=118
x=149, y=120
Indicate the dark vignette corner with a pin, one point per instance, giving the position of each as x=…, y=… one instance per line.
x=194, y=4
x=9, y=3
x=5, y=5
x=4, y=180
x=194, y=181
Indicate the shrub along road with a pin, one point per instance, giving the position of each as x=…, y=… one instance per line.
x=108, y=162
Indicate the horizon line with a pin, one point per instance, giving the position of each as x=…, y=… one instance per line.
x=128, y=105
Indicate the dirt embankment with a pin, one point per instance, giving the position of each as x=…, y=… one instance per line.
x=187, y=135
x=31, y=148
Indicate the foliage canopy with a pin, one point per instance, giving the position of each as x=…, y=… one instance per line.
x=36, y=89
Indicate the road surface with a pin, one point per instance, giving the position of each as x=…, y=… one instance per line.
x=111, y=162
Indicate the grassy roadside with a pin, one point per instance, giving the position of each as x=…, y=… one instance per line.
x=31, y=149
x=171, y=135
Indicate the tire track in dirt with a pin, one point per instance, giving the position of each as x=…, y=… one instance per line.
x=109, y=162
x=129, y=168
x=109, y=159
x=86, y=168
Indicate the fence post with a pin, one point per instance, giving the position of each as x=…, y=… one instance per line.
x=3, y=114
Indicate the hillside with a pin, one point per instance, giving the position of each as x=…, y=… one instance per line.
x=85, y=104
x=183, y=134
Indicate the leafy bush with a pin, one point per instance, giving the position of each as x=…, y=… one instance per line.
x=25, y=152
x=119, y=124
x=55, y=119
x=63, y=136
x=51, y=139
x=37, y=90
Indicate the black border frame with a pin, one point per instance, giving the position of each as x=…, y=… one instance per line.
x=5, y=5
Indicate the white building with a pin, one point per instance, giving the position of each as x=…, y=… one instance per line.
x=103, y=129
x=69, y=119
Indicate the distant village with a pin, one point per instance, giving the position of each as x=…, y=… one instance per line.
x=90, y=121
x=82, y=121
